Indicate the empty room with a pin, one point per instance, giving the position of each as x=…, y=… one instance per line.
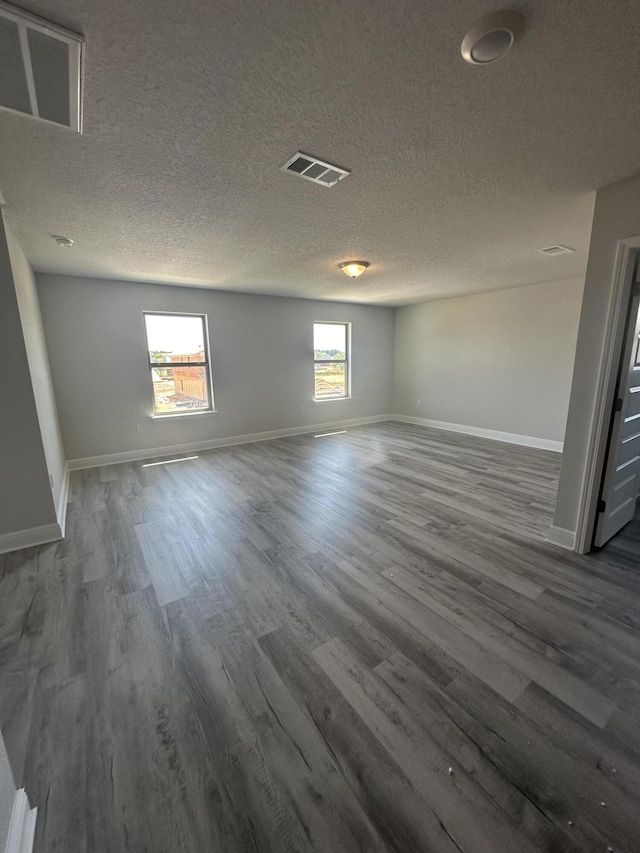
x=320, y=427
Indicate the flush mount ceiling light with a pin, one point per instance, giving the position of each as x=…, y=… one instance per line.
x=354, y=268
x=492, y=37
x=63, y=242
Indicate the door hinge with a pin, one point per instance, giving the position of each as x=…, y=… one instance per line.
x=602, y=506
x=619, y=403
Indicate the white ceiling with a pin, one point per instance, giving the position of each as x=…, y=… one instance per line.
x=459, y=173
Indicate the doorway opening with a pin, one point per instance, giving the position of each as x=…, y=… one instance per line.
x=610, y=501
x=620, y=486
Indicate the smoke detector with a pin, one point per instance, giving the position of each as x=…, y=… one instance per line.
x=552, y=251
x=492, y=38
x=41, y=68
x=314, y=170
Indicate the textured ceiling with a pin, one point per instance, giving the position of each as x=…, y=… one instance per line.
x=459, y=173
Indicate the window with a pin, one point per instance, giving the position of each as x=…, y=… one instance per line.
x=178, y=353
x=331, y=360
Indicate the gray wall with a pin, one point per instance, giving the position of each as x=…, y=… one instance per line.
x=25, y=494
x=501, y=360
x=38, y=359
x=261, y=350
x=616, y=217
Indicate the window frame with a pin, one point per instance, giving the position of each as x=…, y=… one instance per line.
x=206, y=364
x=346, y=360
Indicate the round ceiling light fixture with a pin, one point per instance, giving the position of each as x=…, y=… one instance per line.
x=63, y=242
x=353, y=268
x=492, y=37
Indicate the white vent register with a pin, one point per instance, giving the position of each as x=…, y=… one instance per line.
x=314, y=170
x=40, y=68
x=552, y=251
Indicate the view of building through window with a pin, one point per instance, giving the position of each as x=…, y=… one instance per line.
x=331, y=360
x=178, y=362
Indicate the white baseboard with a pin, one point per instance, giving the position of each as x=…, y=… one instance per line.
x=29, y=538
x=562, y=538
x=40, y=535
x=61, y=510
x=154, y=452
x=493, y=434
x=23, y=825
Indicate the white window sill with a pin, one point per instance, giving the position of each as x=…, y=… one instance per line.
x=183, y=415
x=331, y=399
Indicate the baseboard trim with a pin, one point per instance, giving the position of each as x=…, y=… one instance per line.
x=493, y=434
x=210, y=444
x=23, y=825
x=29, y=538
x=562, y=537
x=61, y=512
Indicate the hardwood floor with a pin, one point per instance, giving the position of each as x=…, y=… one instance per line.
x=352, y=643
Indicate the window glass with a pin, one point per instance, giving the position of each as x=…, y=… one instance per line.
x=331, y=360
x=178, y=363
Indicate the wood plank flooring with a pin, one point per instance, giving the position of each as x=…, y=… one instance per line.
x=359, y=642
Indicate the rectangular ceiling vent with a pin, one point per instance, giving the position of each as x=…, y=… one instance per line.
x=41, y=68
x=552, y=251
x=314, y=170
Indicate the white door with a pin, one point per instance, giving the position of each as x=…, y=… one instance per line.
x=622, y=475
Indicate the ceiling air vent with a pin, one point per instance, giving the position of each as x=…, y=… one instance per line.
x=40, y=68
x=314, y=170
x=552, y=251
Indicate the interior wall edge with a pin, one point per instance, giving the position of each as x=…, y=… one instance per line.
x=562, y=538
x=616, y=219
x=22, y=829
x=38, y=362
x=26, y=497
x=61, y=510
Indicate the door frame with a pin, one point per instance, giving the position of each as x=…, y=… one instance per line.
x=617, y=311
